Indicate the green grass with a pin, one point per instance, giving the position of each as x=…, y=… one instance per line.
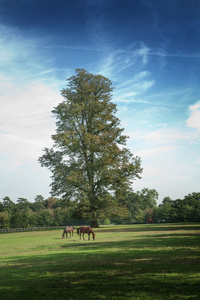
x=157, y=261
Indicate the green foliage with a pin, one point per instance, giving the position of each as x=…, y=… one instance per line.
x=55, y=212
x=22, y=203
x=148, y=198
x=106, y=221
x=88, y=161
x=8, y=205
x=186, y=210
x=4, y=220
x=45, y=217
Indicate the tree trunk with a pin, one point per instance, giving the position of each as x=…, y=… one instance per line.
x=94, y=224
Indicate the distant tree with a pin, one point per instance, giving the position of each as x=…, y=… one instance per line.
x=8, y=205
x=45, y=218
x=57, y=217
x=1, y=206
x=192, y=201
x=39, y=199
x=20, y=219
x=38, y=204
x=167, y=200
x=148, y=198
x=4, y=220
x=166, y=209
x=133, y=203
x=88, y=161
x=157, y=216
x=177, y=212
x=51, y=202
x=22, y=203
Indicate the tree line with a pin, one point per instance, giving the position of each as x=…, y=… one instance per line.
x=142, y=205
x=136, y=207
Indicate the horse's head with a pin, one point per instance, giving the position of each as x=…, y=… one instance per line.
x=93, y=237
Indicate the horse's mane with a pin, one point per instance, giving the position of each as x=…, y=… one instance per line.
x=91, y=230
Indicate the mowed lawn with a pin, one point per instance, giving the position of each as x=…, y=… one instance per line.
x=154, y=261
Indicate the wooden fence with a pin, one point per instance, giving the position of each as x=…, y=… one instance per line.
x=30, y=229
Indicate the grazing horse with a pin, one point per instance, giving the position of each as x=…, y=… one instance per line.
x=87, y=230
x=68, y=229
x=150, y=220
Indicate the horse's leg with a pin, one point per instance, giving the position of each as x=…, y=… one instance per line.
x=83, y=236
x=72, y=233
x=66, y=235
x=88, y=236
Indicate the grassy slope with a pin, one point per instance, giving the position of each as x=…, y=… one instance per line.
x=159, y=261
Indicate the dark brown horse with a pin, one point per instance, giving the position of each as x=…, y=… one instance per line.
x=68, y=229
x=150, y=220
x=87, y=230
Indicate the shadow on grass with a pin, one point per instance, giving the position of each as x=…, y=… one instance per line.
x=150, y=227
x=142, y=268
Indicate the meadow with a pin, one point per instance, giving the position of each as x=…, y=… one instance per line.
x=149, y=261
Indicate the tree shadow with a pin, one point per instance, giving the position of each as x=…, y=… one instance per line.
x=149, y=227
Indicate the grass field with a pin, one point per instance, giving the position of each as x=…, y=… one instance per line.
x=157, y=261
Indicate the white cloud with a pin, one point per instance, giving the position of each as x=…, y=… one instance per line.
x=146, y=153
x=194, y=119
x=168, y=177
x=162, y=136
x=167, y=135
x=26, y=124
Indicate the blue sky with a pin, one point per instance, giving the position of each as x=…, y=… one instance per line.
x=149, y=49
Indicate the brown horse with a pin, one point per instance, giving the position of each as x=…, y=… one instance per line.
x=68, y=229
x=87, y=230
x=150, y=220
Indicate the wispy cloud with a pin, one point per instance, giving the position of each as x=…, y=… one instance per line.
x=17, y=56
x=165, y=53
x=137, y=52
x=117, y=61
x=113, y=64
x=194, y=119
x=24, y=59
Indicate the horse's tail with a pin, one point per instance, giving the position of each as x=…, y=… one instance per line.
x=78, y=230
x=63, y=233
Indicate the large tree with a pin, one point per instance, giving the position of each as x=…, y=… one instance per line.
x=88, y=161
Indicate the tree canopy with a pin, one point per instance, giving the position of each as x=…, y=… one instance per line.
x=89, y=161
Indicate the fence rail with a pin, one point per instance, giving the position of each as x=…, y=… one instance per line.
x=29, y=229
